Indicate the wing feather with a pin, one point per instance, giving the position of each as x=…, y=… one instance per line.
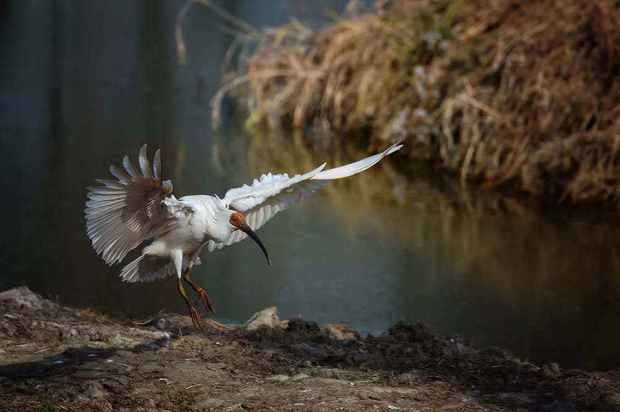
x=129, y=168
x=145, y=165
x=356, y=167
x=122, y=177
x=273, y=193
x=123, y=213
x=157, y=165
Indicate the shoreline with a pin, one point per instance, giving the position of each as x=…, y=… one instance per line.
x=59, y=358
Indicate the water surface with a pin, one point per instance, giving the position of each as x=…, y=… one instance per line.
x=82, y=83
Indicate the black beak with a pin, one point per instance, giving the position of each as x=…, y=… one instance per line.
x=248, y=231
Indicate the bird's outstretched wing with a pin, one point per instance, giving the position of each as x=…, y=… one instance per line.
x=272, y=193
x=123, y=213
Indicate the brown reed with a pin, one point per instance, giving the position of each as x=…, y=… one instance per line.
x=523, y=95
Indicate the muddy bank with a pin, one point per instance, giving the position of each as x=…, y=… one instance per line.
x=56, y=358
x=494, y=91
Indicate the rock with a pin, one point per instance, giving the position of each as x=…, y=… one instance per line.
x=121, y=341
x=551, y=371
x=340, y=332
x=95, y=391
x=299, y=377
x=24, y=297
x=332, y=373
x=278, y=378
x=162, y=324
x=267, y=317
x=452, y=407
x=69, y=334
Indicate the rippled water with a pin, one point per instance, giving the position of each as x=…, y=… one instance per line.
x=83, y=85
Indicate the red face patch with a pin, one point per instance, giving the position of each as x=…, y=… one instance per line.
x=237, y=219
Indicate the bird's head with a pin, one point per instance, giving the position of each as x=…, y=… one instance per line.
x=237, y=221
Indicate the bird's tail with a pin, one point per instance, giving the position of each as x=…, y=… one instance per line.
x=146, y=268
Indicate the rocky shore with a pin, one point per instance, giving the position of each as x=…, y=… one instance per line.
x=55, y=358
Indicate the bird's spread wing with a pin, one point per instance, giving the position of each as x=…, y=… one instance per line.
x=123, y=213
x=272, y=193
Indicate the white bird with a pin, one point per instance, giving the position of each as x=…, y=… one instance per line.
x=139, y=206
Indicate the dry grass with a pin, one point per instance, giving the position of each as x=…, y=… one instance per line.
x=508, y=93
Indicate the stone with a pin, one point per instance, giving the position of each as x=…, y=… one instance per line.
x=299, y=377
x=452, y=407
x=121, y=341
x=551, y=371
x=24, y=297
x=278, y=378
x=265, y=318
x=340, y=332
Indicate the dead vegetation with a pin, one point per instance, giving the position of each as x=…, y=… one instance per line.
x=520, y=95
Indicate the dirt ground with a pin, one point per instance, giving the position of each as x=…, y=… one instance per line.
x=54, y=358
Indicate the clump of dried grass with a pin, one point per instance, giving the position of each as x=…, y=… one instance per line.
x=505, y=92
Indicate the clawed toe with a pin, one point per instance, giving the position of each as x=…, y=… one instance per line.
x=193, y=313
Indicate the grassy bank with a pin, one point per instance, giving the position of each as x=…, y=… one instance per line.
x=511, y=94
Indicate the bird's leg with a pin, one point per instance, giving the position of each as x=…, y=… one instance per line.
x=204, y=296
x=192, y=310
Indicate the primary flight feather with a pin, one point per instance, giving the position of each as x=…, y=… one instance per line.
x=139, y=206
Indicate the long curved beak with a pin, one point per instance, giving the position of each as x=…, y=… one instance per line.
x=248, y=231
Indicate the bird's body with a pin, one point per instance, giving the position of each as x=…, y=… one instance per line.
x=195, y=224
x=138, y=207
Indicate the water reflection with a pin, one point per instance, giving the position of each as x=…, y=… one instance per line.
x=84, y=82
x=488, y=267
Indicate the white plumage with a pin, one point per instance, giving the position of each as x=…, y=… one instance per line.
x=138, y=206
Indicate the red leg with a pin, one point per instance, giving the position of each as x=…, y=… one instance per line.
x=204, y=296
x=193, y=313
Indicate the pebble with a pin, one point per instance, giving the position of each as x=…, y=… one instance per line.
x=299, y=377
x=551, y=371
x=265, y=318
x=278, y=378
x=340, y=332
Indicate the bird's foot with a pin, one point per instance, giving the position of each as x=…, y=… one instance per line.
x=193, y=313
x=204, y=296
